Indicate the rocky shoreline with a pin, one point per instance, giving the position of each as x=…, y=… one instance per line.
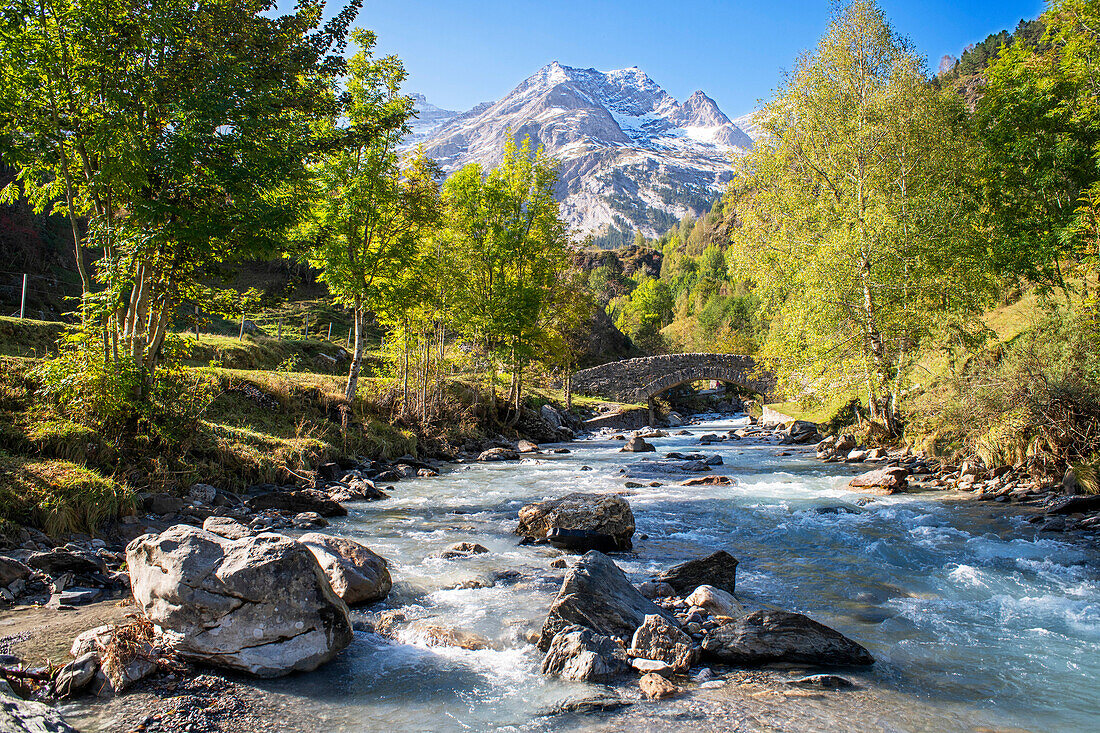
x=677, y=632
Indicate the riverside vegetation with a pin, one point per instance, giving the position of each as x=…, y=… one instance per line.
x=914, y=257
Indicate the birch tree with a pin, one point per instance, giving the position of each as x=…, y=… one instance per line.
x=855, y=214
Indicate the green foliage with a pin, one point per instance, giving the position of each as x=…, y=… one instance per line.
x=1036, y=395
x=856, y=229
x=507, y=245
x=1039, y=123
x=91, y=391
x=979, y=56
x=180, y=139
x=644, y=313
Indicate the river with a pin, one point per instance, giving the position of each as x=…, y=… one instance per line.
x=976, y=620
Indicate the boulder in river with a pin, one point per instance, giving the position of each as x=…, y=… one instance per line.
x=603, y=514
x=637, y=444
x=718, y=569
x=355, y=573
x=662, y=641
x=1075, y=504
x=656, y=687
x=882, y=480
x=581, y=540
x=766, y=637
x=709, y=481
x=715, y=601
x=580, y=654
x=596, y=594
x=801, y=431
x=296, y=502
x=260, y=605
x=498, y=454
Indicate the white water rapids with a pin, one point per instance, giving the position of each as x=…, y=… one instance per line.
x=977, y=621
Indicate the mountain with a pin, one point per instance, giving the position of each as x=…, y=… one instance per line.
x=633, y=158
x=427, y=119
x=750, y=125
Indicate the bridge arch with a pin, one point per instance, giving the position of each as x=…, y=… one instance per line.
x=639, y=380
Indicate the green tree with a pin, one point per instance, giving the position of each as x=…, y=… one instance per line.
x=645, y=312
x=855, y=210
x=1039, y=122
x=176, y=129
x=368, y=216
x=512, y=243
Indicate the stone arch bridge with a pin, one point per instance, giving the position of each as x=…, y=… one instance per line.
x=642, y=379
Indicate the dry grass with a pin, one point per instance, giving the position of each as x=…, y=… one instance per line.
x=58, y=496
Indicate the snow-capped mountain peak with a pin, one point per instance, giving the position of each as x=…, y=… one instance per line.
x=633, y=158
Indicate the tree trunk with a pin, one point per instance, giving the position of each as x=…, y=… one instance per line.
x=405, y=370
x=357, y=356
x=568, y=383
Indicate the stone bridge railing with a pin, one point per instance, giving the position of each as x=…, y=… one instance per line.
x=638, y=380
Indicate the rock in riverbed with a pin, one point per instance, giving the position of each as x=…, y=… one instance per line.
x=718, y=569
x=656, y=687
x=24, y=716
x=596, y=594
x=580, y=654
x=261, y=604
x=715, y=601
x=637, y=444
x=296, y=502
x=355, y=573
x=659, y=640
x=498, y=454
x=765, y=637
x=602, y=514
x=882, y=480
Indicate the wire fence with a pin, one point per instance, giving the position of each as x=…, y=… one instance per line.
x=25, y=293
x=28, y=292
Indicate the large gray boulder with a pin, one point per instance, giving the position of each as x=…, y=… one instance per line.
x=597, y=595
x=766, y=637
x=580, y=654
x=599, y=514
x=882, y=481
x=354, y=572
x=260, y=604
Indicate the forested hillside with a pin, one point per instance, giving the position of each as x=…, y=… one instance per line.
x=888, y=283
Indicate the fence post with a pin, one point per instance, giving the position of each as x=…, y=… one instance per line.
x=350, y=329
x=241, y=337
x=307, y=326
x=23, y=300
x=280, y=336
x=330, y=330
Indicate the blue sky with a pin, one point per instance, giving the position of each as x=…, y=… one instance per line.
x=461, y=52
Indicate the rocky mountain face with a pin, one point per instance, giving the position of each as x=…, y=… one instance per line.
x=428, y=120
x=632, y=157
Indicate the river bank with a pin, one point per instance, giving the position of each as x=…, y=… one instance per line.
x=939, y=591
